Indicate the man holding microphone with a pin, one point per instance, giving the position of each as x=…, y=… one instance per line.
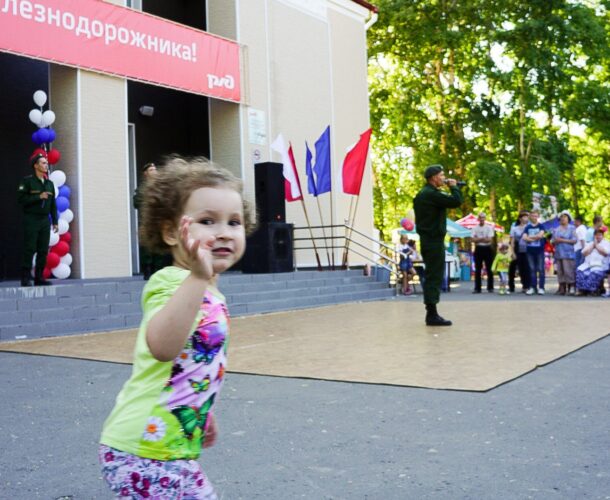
x=430, y=206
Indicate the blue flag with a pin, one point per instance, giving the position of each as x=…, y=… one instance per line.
x=322, y=166
x=311, y=182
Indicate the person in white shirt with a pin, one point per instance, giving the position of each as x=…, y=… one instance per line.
x=581, y=236
x=590, y=274
x=482, y=236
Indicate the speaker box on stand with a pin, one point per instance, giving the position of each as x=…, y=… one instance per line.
x=269, y=249
x=269, y=189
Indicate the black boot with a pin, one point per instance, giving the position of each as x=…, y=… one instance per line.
x=25, y=277
x=433, y=318
x=39, y=280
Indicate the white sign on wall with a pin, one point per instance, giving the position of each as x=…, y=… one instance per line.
x=257, y=127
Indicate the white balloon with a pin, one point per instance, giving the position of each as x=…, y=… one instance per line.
x=40, y=98
x=67, y=215
x=66, y=259
x=56, y=191
x=62, y=226
x=36, y=117
x=58, y=178
x=54, y=239
x=62, y=271
x=48, y=118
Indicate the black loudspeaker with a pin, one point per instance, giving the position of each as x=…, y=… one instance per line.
x=269, y=189
x=269, y=249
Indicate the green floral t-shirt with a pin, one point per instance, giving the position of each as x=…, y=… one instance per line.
x=162, y=410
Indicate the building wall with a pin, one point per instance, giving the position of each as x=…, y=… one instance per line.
x=63, y=95
x=105, y=228
x=305, y=67
x=350, y=104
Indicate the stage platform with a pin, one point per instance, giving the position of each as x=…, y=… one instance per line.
x=493, y=340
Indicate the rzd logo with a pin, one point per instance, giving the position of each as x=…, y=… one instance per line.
x=227, y=81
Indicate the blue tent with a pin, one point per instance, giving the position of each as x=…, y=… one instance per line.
x=454, y=230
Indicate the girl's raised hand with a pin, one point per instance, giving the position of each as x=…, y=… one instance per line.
x=198, y=256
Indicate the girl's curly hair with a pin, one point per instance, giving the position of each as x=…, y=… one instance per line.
x=165, y=195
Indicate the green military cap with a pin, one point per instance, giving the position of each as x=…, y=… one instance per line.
x=432, y=170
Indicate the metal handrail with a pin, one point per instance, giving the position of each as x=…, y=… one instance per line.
x=392, y=269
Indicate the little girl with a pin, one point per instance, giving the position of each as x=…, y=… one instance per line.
x=405, y=251
x=162, y=417
x=500, y=265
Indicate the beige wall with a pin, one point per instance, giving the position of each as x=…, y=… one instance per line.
x=63, y=99
x=351, y=108
x=305, y=67
x=104, y=208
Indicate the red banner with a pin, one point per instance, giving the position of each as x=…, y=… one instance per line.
x=98, y=36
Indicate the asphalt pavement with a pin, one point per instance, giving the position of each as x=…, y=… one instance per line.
x=542, y=436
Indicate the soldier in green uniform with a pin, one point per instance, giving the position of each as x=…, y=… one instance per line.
x=37, y=198
x=430, y=207
x=150, y=263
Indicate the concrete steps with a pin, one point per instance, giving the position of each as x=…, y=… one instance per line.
x=79, y=306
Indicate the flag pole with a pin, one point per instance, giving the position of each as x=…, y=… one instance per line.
x=351, y=231
x=332, y=231
x=311, y=234
x=348, y=235
x=323, y=230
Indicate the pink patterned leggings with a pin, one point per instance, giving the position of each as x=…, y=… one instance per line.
x=130, y=476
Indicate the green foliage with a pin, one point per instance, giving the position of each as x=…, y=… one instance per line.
x=507, y=94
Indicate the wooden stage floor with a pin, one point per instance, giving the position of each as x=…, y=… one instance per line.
x=385, y=342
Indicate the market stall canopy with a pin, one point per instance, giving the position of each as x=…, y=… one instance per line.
x=454, y=230
x=472, y=220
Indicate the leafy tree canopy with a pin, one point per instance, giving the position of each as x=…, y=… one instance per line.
x=512, y=96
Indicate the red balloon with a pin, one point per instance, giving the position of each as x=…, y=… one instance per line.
x=61, y=249
x=407, y=224
x=67, y=237
x=53, y=156
x=46, y=273
x=52, y=260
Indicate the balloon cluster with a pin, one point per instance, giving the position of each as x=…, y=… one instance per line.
x=45, y=135
x=59, y=258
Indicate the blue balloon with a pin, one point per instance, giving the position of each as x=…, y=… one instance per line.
x=62, y=203
x=65, y=191
x=43, y=135
x=35, y=138
x=52, y=135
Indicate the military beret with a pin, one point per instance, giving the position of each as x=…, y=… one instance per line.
x=432, y=170
x=34, y=159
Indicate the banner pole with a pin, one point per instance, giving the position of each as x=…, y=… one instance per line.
x=347, y=235
x=323, y=230
x=311, y=234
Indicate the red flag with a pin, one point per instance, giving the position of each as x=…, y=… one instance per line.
x=292, y=185
x=354, y=163
x=289, y=190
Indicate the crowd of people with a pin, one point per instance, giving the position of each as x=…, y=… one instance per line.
x=577, y=254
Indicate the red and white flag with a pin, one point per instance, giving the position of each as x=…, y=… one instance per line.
x=292, y=185
x=354, y=163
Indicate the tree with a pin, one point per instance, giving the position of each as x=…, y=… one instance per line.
x=495, y=91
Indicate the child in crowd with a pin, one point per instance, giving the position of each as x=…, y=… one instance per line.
x=163, y=417
x=500, y=265
x=406, y=254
